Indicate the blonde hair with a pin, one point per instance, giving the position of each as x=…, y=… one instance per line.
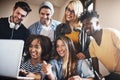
x=78, y=9
x=70, y=59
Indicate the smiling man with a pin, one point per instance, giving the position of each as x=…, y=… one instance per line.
x=105, y=45
x=46, y=25
x=11, y=27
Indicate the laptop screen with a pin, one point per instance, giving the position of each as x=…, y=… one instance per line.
x=10, y=57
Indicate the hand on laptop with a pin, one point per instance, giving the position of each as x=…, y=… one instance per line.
x=36, y=76
x=23, y=72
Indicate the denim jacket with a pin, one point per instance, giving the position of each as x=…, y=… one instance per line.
x=37, y=27
x=83, y=69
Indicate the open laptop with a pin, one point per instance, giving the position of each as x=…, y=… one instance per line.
x=10, y=58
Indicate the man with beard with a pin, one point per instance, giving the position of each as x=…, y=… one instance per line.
x=11, y=27
x=46, y=25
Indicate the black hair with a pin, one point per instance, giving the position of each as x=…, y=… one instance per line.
x=45, y=44
x=23, y=5
x=87, y=15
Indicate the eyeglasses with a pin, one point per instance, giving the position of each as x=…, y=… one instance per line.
x=68, y=10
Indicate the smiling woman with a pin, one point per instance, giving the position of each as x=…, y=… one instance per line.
x=66, y=65
x=37, y=49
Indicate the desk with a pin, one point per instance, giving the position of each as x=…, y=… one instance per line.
x=6, y=78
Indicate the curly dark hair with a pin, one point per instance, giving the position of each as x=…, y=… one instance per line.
x=45, y=43
x=88, y=15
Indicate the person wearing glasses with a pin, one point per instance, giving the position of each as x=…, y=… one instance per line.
x=71, y=26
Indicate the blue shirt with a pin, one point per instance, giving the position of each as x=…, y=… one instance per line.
x=37, y=27
x=83, y=69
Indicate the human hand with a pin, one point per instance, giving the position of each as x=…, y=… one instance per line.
x=23, y=72
x=30, y=74
x=46, y=68
x=81, y=55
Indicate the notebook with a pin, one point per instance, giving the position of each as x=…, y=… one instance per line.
x=10, y=58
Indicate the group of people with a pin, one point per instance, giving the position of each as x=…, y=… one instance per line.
x=46, y=36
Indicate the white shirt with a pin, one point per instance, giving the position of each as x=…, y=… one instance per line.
x=47, y=31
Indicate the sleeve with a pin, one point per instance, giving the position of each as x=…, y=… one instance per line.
x=53, y=62
x=115, y=35
x=58, y=31
x=33, y=28
x=91, y=49
x=86, y=52
x=27, y=33
x=85, y=69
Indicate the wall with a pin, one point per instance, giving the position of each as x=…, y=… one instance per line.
x=109, y=12
x=6, y=10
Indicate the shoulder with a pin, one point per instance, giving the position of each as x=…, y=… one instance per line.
x=4, y=19
x=53, y=61
x=34, y=24
x=23, y=27
x=111, y=31
x=61, y=25
x=55, y=22
x=80, y=62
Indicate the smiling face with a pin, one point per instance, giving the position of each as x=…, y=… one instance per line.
x=18, y=15
x=90, y=25
x=35, y=49
x=69, y=13
x=45, y=16
x=61, y=48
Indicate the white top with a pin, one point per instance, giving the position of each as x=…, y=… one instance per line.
x=47, y=31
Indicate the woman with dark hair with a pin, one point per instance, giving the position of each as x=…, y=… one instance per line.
x=67, y=66
x=37, y=49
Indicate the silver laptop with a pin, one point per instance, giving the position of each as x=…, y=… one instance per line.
x=10, y=58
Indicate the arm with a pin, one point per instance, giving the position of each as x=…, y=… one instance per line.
x=47, y=69
x=36, y=76
x=95, y=64
x=81, y=55
x=85, y=54
x=58, y=30
x=115, y=36
x=83, y=71
x=77, y=77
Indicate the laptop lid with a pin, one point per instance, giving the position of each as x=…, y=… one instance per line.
x=10, y=57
